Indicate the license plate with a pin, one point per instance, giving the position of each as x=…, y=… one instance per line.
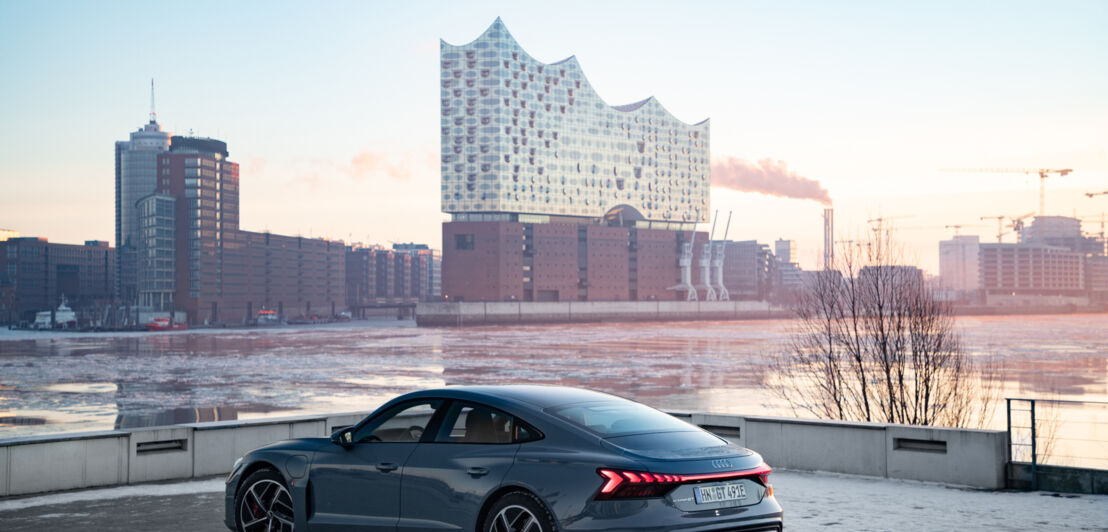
x=720, y=493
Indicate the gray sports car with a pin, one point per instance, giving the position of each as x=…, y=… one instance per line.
x=505, y=458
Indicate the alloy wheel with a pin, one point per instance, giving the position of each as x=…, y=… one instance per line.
x=515, y=519
x=266, y=506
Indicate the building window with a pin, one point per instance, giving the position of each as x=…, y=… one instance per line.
x=463, y=241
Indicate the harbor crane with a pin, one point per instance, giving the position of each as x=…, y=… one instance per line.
x=705, y=263
x=1043, y=173
x=719, y=249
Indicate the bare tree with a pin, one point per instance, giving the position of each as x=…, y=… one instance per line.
x=873, y=343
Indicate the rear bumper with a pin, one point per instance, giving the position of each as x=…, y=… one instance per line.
x=658, y=515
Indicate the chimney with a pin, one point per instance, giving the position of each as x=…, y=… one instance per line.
x=828, y=238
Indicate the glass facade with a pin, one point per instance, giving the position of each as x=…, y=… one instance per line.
x=157, y=251
x=522, y=136
x=136, y=172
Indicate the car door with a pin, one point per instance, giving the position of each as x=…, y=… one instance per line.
x=447, y=477
x=357, y=486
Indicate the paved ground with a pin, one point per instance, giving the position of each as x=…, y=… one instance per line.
x=812, y=501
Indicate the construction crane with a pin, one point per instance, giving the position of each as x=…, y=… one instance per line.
x=1103, y=219
x=957, y=227
x=1043, y=173
x=1095, y=194
x=884, y=219
x=999, y=226
x=1016, y=224
x=880, y=221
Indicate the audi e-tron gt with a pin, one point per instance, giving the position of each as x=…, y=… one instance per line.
x=505, y=458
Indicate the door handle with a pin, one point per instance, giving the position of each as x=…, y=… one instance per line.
x=477, y=471
x=386, y=467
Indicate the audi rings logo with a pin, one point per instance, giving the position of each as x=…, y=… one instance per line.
x=722, y=464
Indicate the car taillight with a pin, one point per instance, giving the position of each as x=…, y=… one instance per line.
x=622, y=484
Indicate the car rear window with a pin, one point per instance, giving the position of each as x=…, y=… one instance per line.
x=612, y=418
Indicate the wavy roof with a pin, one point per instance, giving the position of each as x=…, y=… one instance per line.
x=498, y=25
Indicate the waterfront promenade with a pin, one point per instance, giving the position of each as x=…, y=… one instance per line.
x=812, y=501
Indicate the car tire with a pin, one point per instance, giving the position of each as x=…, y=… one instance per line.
x=263, y=502
x=518, y=511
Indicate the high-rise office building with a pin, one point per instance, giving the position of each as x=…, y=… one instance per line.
x=748, y=270
x=195, y=258
x=785, y=251
x=958, y=263
x=553, y=193
x=136, y=167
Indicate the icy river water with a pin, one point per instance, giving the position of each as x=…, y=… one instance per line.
x=58, y=382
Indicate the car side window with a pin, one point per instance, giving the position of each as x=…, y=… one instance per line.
x=403, y=423
x=525, y=433
x=471, y=423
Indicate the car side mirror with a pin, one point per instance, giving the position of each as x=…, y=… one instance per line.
x=344, y=437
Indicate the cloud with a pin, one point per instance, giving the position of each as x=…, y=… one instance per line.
x=766, y=177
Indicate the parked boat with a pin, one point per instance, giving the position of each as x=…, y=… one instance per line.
x=63, y=318
x=162, y=324
x=268, y=317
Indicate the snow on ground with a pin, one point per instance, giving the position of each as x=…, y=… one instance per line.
x=121, y=492
x=821, y=501
x=812, y=501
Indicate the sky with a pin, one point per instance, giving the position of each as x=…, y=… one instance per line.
x=332, y=108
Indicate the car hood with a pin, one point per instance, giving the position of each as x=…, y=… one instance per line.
x=297, y=444
x=682, y=445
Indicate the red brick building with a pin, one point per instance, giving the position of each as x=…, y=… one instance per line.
x=560, y=261
x=35, y=274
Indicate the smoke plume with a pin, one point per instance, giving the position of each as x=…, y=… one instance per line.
x=766, y=177
x=373, y=162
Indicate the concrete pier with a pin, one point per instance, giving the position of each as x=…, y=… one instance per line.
x=462, y=314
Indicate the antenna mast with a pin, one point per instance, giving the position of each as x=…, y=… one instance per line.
x=153, y=114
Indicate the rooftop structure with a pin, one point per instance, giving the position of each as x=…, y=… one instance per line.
x=1061, y=231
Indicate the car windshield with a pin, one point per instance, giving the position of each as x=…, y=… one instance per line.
x=610, y=418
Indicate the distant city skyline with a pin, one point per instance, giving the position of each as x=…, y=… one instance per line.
x=332, y=111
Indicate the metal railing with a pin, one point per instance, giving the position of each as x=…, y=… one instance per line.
x=1057, y=432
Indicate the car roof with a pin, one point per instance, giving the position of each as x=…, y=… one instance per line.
x=540, y=396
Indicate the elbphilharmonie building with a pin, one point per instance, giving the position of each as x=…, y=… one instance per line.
x=531, y=151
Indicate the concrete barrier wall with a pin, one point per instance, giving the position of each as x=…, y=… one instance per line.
x=53, y=463
x=964, y=457
x=83, y=460
x=460, y=314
